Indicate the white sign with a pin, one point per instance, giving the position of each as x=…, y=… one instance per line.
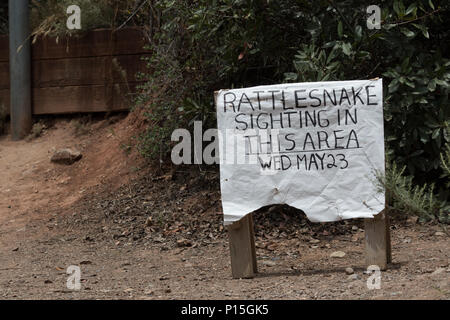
x=315, y=146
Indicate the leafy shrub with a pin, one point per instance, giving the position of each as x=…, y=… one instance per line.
x=445, y=164
x=403, y=196
x=49, y=17
x=204, y=46
x=4, y=17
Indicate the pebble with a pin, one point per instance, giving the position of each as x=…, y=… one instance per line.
x=337, y=254
x=66, y=156
x=438, y=271
x=353, y=277
x=349, y=270
x=184, y=243
x=439, y=233
x=314, y=241
x=268, y=263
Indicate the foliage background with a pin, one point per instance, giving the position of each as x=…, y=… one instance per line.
x=205, y=45
x=208, y=45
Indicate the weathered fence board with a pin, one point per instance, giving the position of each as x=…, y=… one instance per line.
x=101, y=42
x=4, y=48
x=86, y=71
x=4, y=75
x=92, y=98
x=92, y=72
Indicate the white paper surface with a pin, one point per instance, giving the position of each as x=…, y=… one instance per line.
x=326, y=142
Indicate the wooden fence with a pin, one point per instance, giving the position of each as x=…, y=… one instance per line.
x=92, y=72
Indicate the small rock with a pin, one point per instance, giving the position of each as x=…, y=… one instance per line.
x=66, y=156
x=337, y=254
x=314, y=241
x=269, y=263
x=355, y=228
x=439, y=233
x=128, y=290
x=159, y=239
x=412, y=220
x=438, y=271
x=86, y=262
x=48, y=281
x=349, y=270
x=184, y=243
x=353, y=277
x=15, y=249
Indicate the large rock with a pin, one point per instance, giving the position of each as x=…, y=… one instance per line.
x=66, y=156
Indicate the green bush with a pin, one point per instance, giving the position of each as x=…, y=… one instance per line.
x=49, y=17
x=4, y=17
x=405, y=197
x=203, y=46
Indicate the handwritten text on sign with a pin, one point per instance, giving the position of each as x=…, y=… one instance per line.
x=315, y=146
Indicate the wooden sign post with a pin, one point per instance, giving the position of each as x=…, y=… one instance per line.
x=378, y=240
x=242, y=248
x=243, y=253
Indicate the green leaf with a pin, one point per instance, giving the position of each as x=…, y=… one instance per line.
x=346, y=48
x=340, y=29
x=411, y=8
x=358, y=32
x=408, y=32
x=435, y=133
x=432, y=85
x=290, y=76
x=399, y=8
x=431, y=4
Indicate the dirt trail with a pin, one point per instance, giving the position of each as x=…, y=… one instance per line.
x=39, y=199
x=34, y=188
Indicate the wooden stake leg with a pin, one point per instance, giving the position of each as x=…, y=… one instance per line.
x=242, y=248
x=378, y=241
